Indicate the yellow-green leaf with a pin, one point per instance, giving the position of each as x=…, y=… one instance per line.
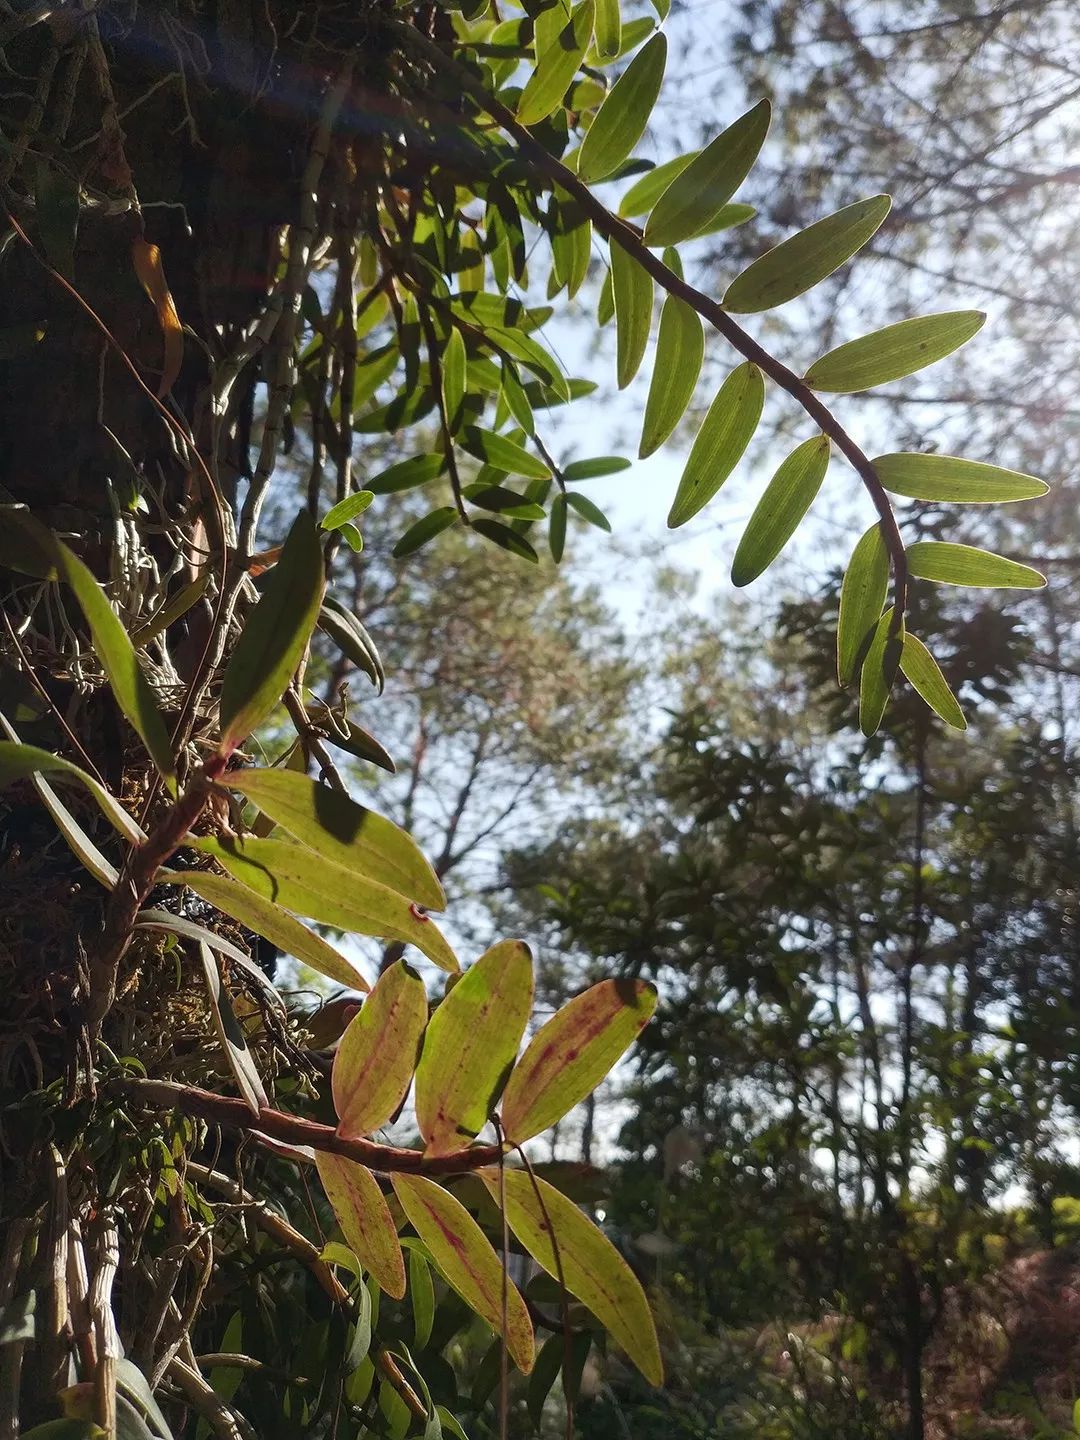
x=894, y=352
x=556, y=66
x=301, y=881
x=22, y=762
x=878, y=673
x=275, y=635
x=471, y=1042
x=644, y=193
x=569, y=1055
x=696, y=195
x=950, y=564
x=632, y=290
x=622, y=118
x=453, y=378
x=466, y=1261
x=365, y=1219
x=680, y=349
x=924, y=673
x=592, y=1269
x=377, y=1056
x=608, y=29
x=945, y=477
x=231, y=1036
x=503, y=453
x=347, y=509
x=724, y=435
x=788, y=496
x=348, y=834
x=801, y=262
x=862, y=594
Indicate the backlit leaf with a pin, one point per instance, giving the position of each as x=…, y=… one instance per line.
x=507, y=503
x=801, y=262
x=588, y=511
x=724, y=435
x=275, y=635
x=348, y=834
x=146, y=259
x=407, y=474
x=453, y=378
x=569, y=1055
x=347, y=509
x=680, y=349
x=503, y=453
x=862, y=594
x=944, y=477
x=788, y=496
x=632, y=290
x=608, y=29
x=466, y=1260
x=592, y=1269
x=471, y=1042
x=377, y=1056
x=622, y=118
x=923, y=672
x=557, y=528
x=878, y=673
x=950, y=564
x=644, y=193
x=695, y=196
x=21, y=762
x=894, y=352
x=364, y=1216
x=231, y=1036
x=579, y=470
x=556, y=66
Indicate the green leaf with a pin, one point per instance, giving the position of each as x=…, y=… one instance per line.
x=22, y=762
x=608, y=29
x=878, y=673
x=471, y=1042
x=76, y=838
x=503, y=453
x=544, y=1374
x=801, y=262
x=506, y=538
x=466, y=1260
x=273, y=923
x=570, y=1054
x=560, y=1237
x=632, y=290
x=944, y=477
x=695, y=196
x=422, y=1294
x=588, y=511
x=788, y=496
x=556, y=66
x=231, y=1036
x=425, y=529
x=56, y=198
x=644, y=193
x=894, y=352
x=579, y=470
x=724, y=435
x=356, y=741
x=862, y=594
x=348, y=834
x=950, y=564
x=726, y=218
x=680, y=349
x=307, y=884
x=923, y=672
x=453, y=378
x=275, y=635
x=407, y=474
x=622, y=118
x=364, y=1216
x=507, y=503
x=130, y=687
x=352, y=639
x=377, y=1055
x=347, y=509
x=557, y=528
x=605, y=305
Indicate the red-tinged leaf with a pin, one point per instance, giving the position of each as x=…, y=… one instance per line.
x=471, y=1042
x=569, y=1056
x=365, y=1219
x=147, y=261
x=375, y=1061
x=592, y=1269
x=466, y=1260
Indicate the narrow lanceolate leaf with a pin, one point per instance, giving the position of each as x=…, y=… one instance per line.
x=471, y=1042
x=273, y=923
x=556, y=66
x=862, y=594
x=233, y=1040
x=951, y=564
x=879, y=672
x=644, y=193
x=557, y=528
x=347, y=509
x=579, y=470
x=622, y=118
x=365, y=1220
x=407, y=474
x=632, y=290
x=425, y=529
x=505, y=538
x=588, y=511
x=798, y=264
x=298, y=879
x=694, y=197
x=944, y=477
x=608, y=29
x=466, y=1261
x=21, y=762
x=375, y=1061
x=569, y=1056
x=788, y=496
x=680, y=349
x=453, y=378
x=894, y=352
x=591, y=1268
x=503, y=454
x=924, y=673
x=114, y=649
x=724, y=435
x=346, y=833
x=275, y=635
